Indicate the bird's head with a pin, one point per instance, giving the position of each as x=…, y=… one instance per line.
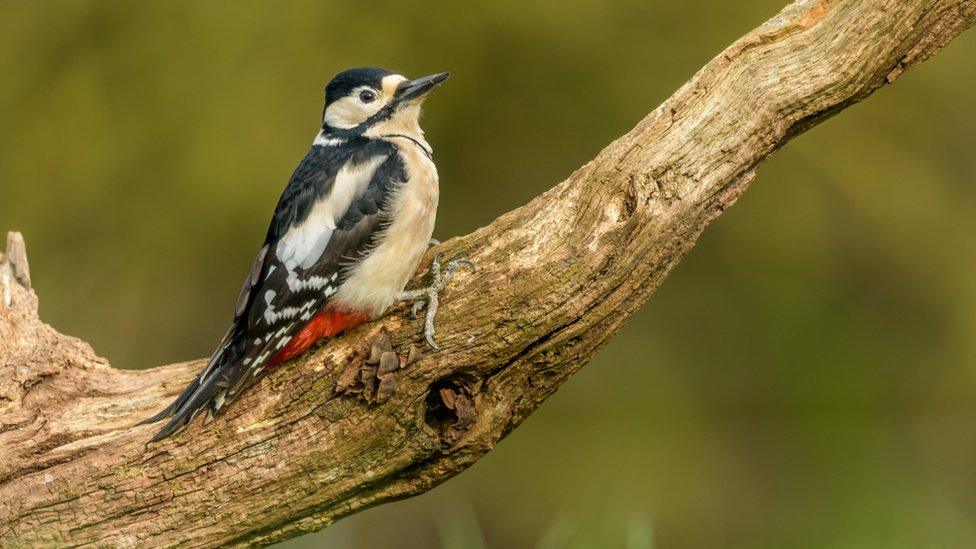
x=374, y=101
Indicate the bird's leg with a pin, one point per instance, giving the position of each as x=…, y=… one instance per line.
x=428, y=297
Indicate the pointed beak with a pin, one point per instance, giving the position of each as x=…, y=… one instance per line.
x=413, y=89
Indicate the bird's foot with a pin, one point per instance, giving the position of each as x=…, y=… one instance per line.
x=428, y=297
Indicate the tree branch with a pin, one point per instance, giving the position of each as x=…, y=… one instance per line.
x=556, y=279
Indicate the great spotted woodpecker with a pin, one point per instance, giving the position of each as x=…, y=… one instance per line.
x=347, y=234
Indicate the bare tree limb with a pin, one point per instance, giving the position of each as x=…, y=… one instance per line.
x=557, y=278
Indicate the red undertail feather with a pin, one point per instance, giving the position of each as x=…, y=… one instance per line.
x=326, y=323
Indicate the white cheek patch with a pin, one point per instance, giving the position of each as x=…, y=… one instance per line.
x=350, y=112
x=345, y=113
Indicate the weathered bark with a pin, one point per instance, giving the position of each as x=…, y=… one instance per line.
x=556, y=279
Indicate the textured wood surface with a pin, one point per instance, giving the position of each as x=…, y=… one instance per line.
x=556, y=279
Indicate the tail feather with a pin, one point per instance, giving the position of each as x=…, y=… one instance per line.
x=175, y=405
x=209, y=391
x=195, y=398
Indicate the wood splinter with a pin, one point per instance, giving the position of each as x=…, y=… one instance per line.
x=377, y=381
x=13, y=266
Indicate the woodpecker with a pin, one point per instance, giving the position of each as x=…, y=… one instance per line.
x=347, y=234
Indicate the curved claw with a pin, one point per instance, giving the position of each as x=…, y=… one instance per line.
x=433, y=242
x=462, y=262
x=431, y=342
x=417, y=307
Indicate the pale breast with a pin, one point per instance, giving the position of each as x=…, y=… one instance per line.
x=372, y=285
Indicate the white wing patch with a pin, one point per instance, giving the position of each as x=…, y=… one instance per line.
x=304, y=243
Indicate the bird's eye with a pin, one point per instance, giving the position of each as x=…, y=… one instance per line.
x=367, y=96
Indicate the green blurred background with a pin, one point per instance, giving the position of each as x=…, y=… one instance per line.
x=805, y=377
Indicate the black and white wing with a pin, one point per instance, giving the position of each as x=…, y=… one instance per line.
x=328, y=216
